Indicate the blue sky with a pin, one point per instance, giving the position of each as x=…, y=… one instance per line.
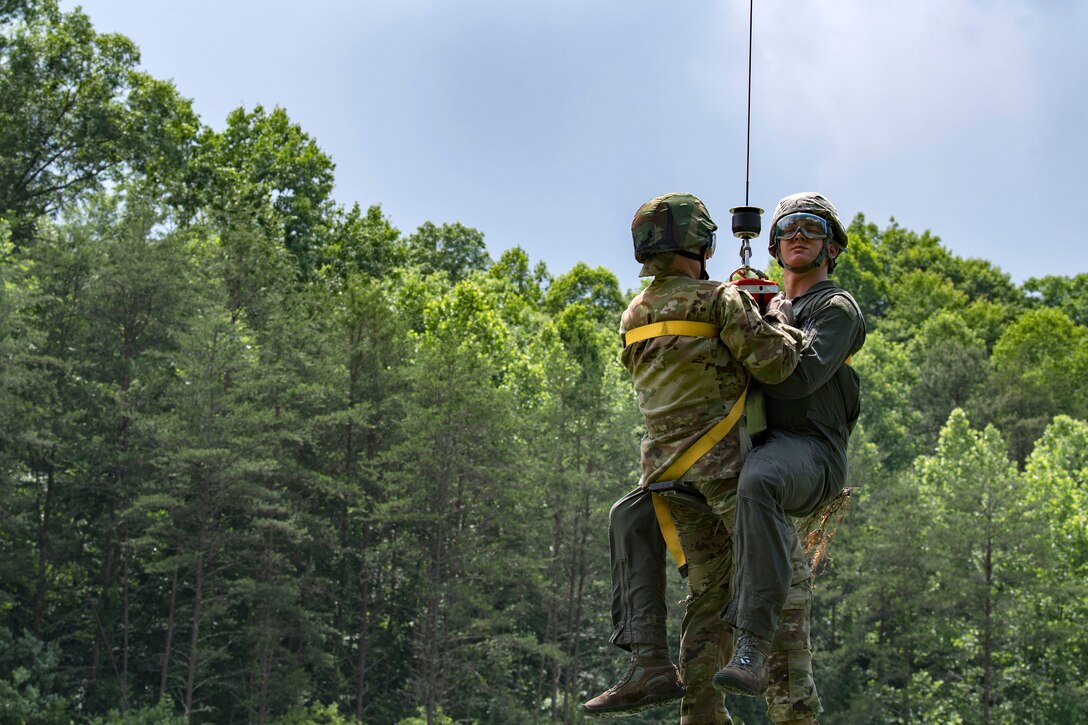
x=546, y=124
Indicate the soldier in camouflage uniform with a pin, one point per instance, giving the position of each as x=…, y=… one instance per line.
x=800, y=464
x=685, y=385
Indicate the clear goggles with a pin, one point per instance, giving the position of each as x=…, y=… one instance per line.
x=810, y=225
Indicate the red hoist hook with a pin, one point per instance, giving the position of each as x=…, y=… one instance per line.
x=746, y=226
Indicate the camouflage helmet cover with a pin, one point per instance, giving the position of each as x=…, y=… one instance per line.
x=812, y=203
x=670, y=223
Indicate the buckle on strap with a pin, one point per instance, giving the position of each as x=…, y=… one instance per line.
x=675, y=487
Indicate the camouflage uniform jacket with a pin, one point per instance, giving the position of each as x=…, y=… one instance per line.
x=687, y=384
x=821, y=397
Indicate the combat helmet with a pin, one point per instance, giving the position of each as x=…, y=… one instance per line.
x=673, y=223
x=811, y=203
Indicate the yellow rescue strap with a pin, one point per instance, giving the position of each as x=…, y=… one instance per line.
x=679, y=467
x=696, y=450
x=684, y=328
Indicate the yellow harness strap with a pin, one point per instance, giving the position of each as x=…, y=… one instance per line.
x=684, y=328
x=680, y=466
x=701, y=447
x=696, y=450
x=668, y=533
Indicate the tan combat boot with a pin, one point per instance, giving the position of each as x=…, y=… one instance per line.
x=651, y=680
x=746, y=673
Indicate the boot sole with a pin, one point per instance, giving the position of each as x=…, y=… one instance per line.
x=647, y=703
x=727, y=685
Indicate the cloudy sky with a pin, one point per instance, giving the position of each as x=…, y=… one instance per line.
x=545, y=124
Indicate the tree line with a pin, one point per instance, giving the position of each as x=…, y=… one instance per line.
x=265, y=458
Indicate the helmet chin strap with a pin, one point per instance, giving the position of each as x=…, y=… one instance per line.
x=700, y=258
x=814, y=264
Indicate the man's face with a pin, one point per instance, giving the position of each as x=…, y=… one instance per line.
x=799, y=250
x=801, y=237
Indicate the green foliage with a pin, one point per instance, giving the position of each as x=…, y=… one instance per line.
x=1057, y=594
x=164, y=713
x=976, y=535
x=861, y=269
x=316, y=715
x=950, y=361
x=263, y=459
x=30, y=686
x=264, y=168
x=423, y=718
x=987, y=320
x=74, y=111
x=466, y=319
x=367, y=244
x=1068, y=294
x=981, y=280
x=904, y=276
x=905, y=251
x=454, y=249
x=1055, y=472
x=513, y=266
x=18, y=339
x=1039, y=365
x=597, y=290
x=918, y=295
x=886, y=410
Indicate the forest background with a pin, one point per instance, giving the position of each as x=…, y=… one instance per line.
x=264, y=458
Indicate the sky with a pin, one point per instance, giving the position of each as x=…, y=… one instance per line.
x=546, y=124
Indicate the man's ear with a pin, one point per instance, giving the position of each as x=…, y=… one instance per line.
x=834, y=250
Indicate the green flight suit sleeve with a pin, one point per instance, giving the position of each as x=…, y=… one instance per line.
x=831, y=335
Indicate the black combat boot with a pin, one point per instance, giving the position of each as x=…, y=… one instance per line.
x=651, y=680
x=746, y=673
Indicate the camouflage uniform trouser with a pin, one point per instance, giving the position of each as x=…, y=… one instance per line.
x=638, y=602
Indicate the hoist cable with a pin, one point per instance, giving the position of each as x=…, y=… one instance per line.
x=748, y=141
